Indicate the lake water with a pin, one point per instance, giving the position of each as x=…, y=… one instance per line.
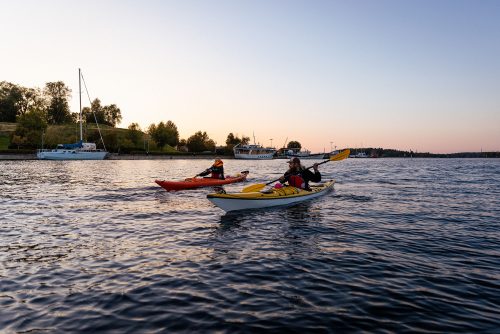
x=400, y=245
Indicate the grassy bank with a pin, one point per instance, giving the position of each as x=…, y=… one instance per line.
x=116, y=140
x=6, y=129
x=4, y=142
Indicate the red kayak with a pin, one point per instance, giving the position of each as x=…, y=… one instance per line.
x=198, y=182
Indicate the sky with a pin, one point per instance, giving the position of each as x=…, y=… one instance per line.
x=409, y=75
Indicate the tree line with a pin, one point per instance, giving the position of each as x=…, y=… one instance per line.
x=167, y=134
x=41, y=112
x=52, y=104
x=33, y=109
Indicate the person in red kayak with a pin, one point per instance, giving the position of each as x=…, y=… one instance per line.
x=298, y=176
x=216, y=171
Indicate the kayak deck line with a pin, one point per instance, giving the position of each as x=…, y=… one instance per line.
x=272, y=193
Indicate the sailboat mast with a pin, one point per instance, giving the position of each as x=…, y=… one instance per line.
x=80, y=95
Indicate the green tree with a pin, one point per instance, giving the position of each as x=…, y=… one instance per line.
x=109, y=115
x=159, y=134
x=112, y=115
x=95, y=113
x=182, y=146
x=173, y=134
x=294, y=145
x=164, y=134
x=135, y=134
x=29, y=129
x=32, y=99
x=134, y=127
x=200, y=142
x=233, y=140
x=57, y=95
x=10, y=99
x=210, y=145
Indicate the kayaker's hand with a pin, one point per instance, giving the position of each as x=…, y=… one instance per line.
x=282, y=179
x=315, y=167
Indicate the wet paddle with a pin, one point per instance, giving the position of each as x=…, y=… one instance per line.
x=259, y=186
x=191, y=178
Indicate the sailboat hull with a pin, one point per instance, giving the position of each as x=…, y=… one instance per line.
x=71, y=155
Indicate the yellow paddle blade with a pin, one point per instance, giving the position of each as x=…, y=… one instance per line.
x=341, y=156
x=253, y=188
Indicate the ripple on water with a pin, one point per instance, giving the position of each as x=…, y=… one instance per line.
x=400, y=245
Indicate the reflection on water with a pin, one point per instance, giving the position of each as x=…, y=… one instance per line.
x=401, y=245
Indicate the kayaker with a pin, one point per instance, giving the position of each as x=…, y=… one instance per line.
x=216, y=171
x=298, y=176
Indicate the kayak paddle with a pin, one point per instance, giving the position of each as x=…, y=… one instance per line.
x=190, y=178
x=259, y=186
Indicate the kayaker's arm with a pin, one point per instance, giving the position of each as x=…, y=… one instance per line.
x=284, y=178
x=312, y=176
x=205, y=172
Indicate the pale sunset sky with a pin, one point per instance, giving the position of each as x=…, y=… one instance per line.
x=419, y=75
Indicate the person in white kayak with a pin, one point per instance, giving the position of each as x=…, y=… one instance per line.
x=298, y=176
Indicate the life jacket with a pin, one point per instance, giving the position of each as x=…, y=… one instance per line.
x=296, y=181
x=217, y=176
x=217, y=172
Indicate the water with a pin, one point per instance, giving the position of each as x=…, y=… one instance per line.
x=400, y=245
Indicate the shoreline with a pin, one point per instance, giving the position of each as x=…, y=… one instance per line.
x=116, y=156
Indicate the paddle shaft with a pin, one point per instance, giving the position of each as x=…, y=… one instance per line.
x=337, y=157
x=242, y=172
x=268, y=183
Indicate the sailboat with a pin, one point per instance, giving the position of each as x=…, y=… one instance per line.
x=76, y=151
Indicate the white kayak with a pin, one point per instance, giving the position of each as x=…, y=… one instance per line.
x=263, y=199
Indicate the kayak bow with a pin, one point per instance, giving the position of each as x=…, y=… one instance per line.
x=196, y=182
x=274, y=197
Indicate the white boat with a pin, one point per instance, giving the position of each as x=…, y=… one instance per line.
x=304, y=154
x=76, y=151
x=359, y=155
x=253, y=152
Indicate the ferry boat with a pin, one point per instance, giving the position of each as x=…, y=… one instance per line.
x=253, y=152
